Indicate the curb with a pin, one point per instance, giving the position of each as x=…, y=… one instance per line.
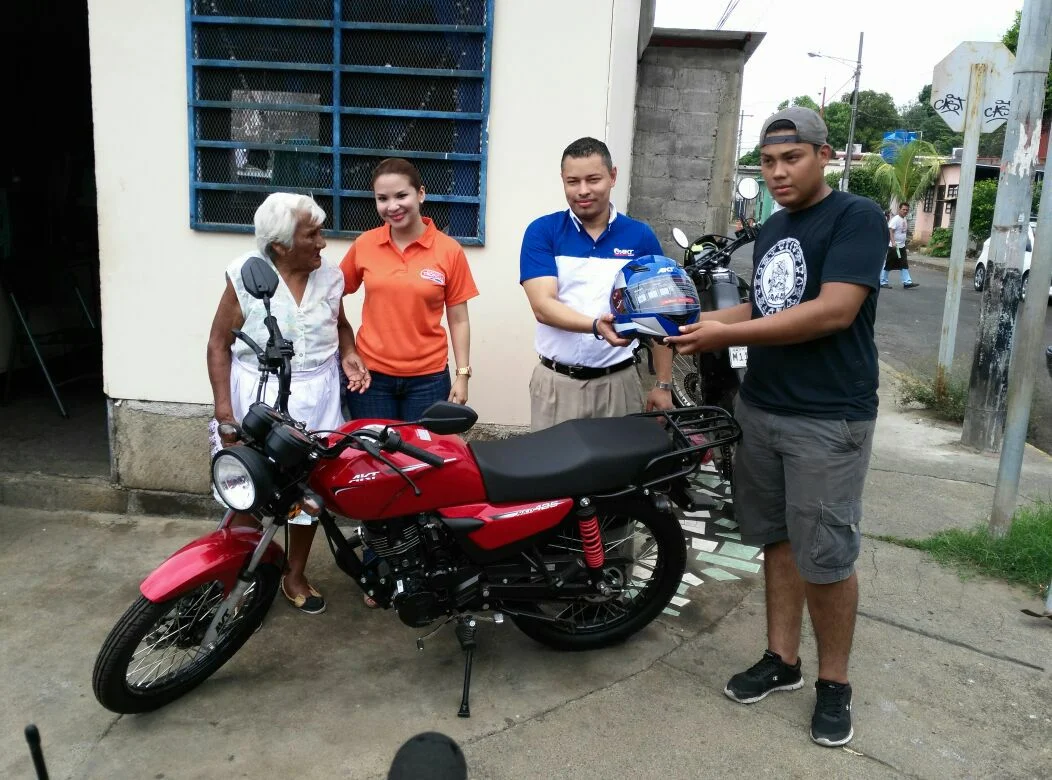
x=899, y=376
x=55, y=493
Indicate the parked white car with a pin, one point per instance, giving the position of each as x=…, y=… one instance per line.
x=982, y=264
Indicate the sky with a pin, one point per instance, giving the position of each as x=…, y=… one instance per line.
x=902, y=44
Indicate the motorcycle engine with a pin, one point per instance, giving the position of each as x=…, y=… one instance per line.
x=423, y=586
x=399, y=542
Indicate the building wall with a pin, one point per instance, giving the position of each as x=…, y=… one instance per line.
x=924, y=221
x=687, y=106
x=161, y=281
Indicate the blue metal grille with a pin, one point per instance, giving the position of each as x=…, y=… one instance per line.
x=308, y=95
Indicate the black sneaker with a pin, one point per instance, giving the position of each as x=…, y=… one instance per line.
x=885, y=285
x=770, y=674
x=831, y=723
x=910, y=285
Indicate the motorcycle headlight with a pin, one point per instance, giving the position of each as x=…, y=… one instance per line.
x=242, y=477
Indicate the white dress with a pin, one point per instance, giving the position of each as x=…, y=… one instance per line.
x=311, y=326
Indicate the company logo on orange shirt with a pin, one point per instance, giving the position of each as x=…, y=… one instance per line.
x=433, y=276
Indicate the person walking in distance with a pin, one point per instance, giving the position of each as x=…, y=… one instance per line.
x=897, y=260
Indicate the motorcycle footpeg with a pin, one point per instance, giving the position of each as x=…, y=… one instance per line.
x=691, y=500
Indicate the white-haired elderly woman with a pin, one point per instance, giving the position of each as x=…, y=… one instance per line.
x=309, y=311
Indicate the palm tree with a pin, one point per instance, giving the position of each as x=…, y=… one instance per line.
x=915, y=168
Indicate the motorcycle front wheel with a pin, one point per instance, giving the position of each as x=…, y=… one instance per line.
x=645, y=560
x=152, y=655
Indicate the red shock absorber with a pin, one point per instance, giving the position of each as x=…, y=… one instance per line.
x=593, y=542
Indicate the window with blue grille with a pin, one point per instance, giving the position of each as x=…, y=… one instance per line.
x=309, y=95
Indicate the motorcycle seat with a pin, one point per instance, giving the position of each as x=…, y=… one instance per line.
x=574, y=458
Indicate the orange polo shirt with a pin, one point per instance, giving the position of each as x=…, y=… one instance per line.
x=406, y=294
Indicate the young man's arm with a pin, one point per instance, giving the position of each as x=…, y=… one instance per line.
x=834, y=309
x=851, y=272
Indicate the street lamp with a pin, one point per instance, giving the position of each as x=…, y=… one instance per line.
x=854, y=108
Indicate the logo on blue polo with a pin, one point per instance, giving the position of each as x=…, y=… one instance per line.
x=623, y=252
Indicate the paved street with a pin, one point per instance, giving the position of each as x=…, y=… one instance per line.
x=950, y=679
x=908, y=325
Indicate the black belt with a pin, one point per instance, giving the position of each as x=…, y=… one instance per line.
x=586, y=372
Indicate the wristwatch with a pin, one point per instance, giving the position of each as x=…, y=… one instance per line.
x=465, y=371
x=662, y=385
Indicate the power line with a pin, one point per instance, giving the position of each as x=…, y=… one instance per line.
x=731, y=5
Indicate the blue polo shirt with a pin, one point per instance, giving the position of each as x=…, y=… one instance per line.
x=558, y=245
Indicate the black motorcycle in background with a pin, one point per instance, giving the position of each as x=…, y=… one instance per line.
x=713, y=378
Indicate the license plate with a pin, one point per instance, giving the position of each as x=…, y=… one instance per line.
x=739, y=357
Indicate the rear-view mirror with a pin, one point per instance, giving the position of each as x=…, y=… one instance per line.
x=680, y=238
x=259, y=278
x=748, y=188
x=446, y=418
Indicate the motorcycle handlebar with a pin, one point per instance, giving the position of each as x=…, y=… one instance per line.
x=422, y=455
x=392, y=440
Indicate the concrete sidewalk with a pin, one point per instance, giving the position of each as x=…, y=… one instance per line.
x=950, y=679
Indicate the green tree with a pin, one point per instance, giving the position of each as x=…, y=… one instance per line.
x=915, y=169
x=799, y=100
x=984, y=195
x=1011, y=40
x=750, y=158
x=877, y=115
x=861, y=183
x=838, y=117
x=920, y=117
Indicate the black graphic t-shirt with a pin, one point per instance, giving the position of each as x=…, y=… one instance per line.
x=843, y=238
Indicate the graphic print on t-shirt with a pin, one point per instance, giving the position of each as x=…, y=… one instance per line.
x=781, y=277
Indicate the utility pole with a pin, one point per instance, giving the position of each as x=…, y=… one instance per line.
x=985, y=412
x=854, y=113
x=1027, y=353
x=741, y=128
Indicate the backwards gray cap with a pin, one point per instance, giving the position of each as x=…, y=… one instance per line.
x=810, y=129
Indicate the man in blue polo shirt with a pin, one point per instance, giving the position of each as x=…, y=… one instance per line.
x=567, y=267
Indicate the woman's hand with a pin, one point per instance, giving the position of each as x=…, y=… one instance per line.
x=224, y=417
x=459, y=393
x=357, y=374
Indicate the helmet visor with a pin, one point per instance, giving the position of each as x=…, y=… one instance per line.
x=669, y=294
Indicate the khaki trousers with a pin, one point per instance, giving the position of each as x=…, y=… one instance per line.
x=555, y=398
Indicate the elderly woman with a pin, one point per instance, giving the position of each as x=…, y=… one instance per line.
x=307, y=306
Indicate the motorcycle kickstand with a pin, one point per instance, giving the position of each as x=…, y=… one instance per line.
x=465, y=630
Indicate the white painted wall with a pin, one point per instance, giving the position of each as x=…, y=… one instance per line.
x=561, y=70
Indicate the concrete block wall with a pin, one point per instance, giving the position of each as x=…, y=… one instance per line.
x=686, y=136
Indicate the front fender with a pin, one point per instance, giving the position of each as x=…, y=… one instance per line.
x=218, y=556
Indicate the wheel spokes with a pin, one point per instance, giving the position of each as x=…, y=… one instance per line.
x=173, y=643
x=635, y=568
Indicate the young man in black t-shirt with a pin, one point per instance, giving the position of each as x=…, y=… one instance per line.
x=807, y=408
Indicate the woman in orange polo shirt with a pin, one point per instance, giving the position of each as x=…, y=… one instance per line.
x=412, y=274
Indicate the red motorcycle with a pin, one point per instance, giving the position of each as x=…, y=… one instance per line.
x=569, y=532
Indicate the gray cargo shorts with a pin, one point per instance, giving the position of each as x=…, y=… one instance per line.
x=800, y=479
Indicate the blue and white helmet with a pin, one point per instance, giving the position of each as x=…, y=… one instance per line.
x=653, y=296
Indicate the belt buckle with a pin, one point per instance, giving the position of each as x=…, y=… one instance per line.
x=571, y=371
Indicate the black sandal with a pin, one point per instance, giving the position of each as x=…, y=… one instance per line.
x=314, y=604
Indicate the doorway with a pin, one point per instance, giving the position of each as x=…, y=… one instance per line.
x=51, y=397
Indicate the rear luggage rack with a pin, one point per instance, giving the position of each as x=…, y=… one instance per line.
x=694, y=430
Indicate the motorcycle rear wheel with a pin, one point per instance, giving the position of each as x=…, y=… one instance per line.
x=651, y=561
x=149, y=658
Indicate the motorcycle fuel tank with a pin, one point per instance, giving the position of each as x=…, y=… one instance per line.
x=355, y=485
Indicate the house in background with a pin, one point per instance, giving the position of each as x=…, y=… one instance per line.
x=197, y=110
